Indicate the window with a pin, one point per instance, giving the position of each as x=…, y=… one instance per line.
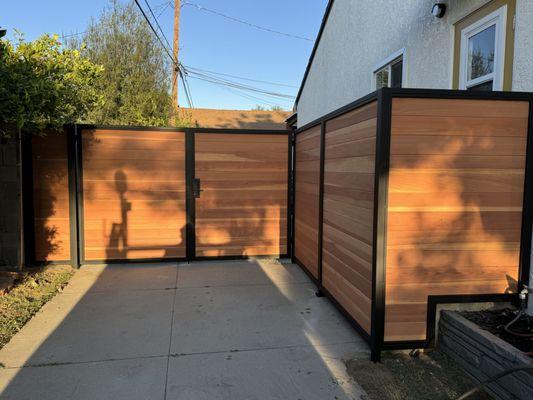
x=482, y=53
x=389, y=73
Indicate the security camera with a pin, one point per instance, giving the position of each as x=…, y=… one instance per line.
x=438, y=10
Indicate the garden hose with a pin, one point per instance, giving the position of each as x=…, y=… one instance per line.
x=507, y=328
x=495, y=378
x=523, y=304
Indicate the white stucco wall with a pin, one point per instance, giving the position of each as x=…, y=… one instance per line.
x=360, y=34
x=523, y=49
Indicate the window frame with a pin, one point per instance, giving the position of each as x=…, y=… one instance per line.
x=387, y=63
x=498, y=18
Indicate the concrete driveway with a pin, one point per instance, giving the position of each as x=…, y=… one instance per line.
x=206, y=330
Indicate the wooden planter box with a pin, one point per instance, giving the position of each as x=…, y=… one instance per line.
x=484, y=355
x=409, y=198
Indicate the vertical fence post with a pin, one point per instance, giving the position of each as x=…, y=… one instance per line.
x=190, y=202
x=321, y=205
x=527, y=209
x=72, y=156
x=290, y=196
x=379, y=247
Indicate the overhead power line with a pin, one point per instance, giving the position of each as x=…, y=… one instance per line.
x=157, y=23
x=163, y=9
x=238, y=85
x=186, y=87
x=175, y=63
x=240, y=77
x=209, y=76
x=240, y=21
x=72, y=35
x=237, y=88
x=155, y=32
x=250, y=97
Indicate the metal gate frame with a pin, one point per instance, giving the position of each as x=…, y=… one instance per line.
x=190, y=152
x=75, y=188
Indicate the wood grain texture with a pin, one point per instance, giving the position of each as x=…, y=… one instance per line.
x=456, y=186
x=348, y=210
x=307, y=178
x=133, y=194
x=50, y=197
x=242, y=210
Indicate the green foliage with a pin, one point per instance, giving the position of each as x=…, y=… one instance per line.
x=135, y=83
x=43, y=86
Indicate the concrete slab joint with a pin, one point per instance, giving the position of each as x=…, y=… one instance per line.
x=191, y=331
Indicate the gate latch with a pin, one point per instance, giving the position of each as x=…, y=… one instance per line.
x=196, y=190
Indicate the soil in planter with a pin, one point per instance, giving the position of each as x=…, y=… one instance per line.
x=494, y=321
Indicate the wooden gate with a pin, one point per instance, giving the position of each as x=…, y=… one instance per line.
x=241, y=193
x=156, y=194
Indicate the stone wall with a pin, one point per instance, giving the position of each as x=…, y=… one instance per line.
x=9, y=205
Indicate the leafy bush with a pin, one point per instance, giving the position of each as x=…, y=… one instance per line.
x=44, y=86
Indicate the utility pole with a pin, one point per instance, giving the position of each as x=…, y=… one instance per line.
x=175, y=72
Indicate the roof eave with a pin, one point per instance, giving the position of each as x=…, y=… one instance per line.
x=315, y=47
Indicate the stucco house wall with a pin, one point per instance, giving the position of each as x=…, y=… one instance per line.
x=359, y=34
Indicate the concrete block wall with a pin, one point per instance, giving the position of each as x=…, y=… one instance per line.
x=484, y=355
x=9, y=205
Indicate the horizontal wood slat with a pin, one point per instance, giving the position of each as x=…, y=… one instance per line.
x=242, y=210
x=51, y=197
x=348, y=210
x=133, y=194
x=307, y=188
x=456, y=184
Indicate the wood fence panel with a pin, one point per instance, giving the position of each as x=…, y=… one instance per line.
x=133, y=194
x=242, y=210
x=348, y=210
x=51, y=197
x=307, y=187
x=455, y=204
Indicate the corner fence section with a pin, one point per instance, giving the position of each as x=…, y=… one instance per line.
x=414, y=198
x=132, y=194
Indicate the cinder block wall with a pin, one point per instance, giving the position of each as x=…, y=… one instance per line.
x=9, y=205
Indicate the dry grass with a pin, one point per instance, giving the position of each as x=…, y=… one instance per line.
x=431, y=376
x=27, y=297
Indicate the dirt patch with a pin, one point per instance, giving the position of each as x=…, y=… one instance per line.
x=494, y=322
x=31, y=290
x=8, y=280
x=431, y=375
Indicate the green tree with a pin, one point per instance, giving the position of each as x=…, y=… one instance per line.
x=135, y=83
x=43, y=86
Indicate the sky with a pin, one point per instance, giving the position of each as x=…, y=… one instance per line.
x=207, y=41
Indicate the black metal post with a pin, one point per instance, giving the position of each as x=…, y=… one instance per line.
x=527, y=209
x=79, y=186
x=321, y=204
x=190, y=203
x=379, y=248
x=290, y=196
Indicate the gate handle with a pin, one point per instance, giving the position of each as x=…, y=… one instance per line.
x=196, y=190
